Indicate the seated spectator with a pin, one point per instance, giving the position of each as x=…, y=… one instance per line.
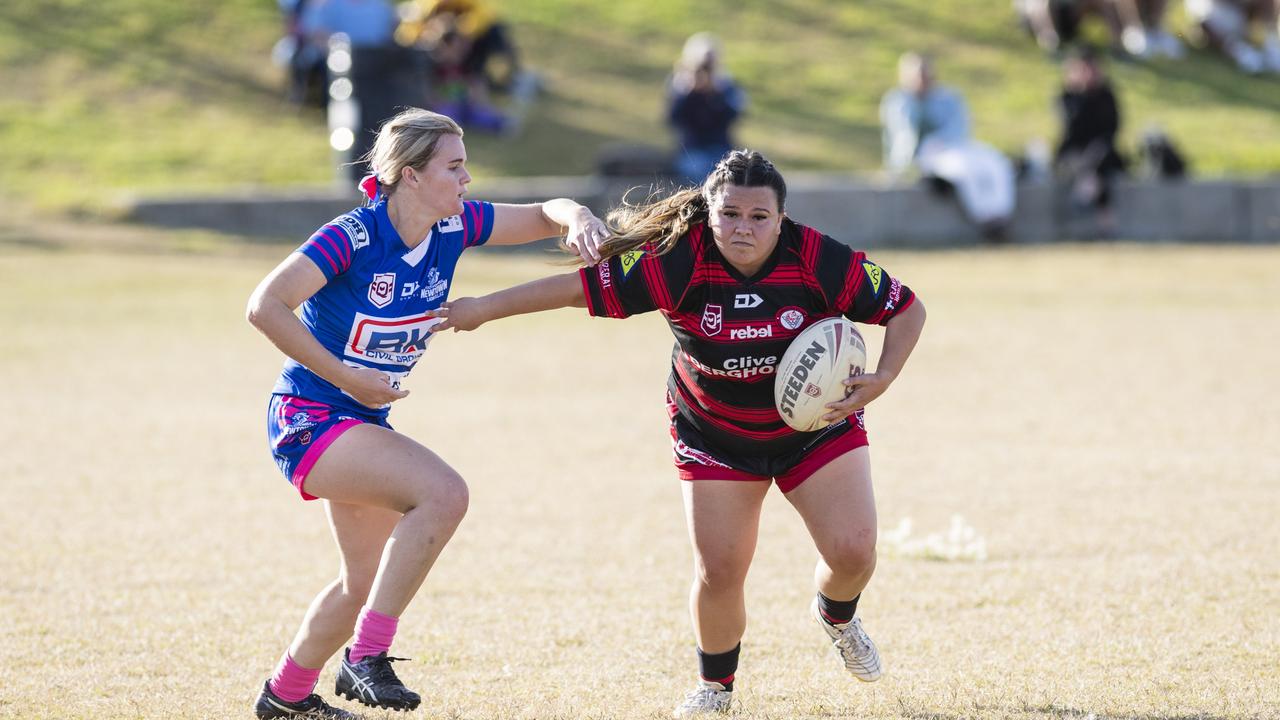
x=1141, y=27
x=926, y=126
x=1135, y=25
x=458, y=93
x=1225, y=26
x=489, y=52
x=1086, y=158
x=702, y=105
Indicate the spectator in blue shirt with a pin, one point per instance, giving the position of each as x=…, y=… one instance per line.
x=368, y=23
x=926, y=127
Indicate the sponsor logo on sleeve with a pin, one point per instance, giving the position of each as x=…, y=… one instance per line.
x=874, y=275
x=791, y=318
x=712, y=319
x=895, y=294
x=354, y=229
x=628, y=260
x=747, y=301
x=382, y=289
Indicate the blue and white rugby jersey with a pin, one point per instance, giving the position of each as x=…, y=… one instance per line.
x=370, y=313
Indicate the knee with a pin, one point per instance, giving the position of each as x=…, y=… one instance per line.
x=719, y=576
x=853, y=554
x=446, y=497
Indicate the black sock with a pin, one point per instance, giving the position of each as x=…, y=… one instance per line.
x=837, y=612
x=719, y=667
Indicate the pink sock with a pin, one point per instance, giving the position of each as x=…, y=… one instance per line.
x=292, y=682
x=374, y=633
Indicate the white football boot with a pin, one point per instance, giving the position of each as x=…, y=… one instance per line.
x=708, y=698
x=859, y=654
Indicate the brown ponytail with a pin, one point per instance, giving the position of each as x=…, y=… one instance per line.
x=658, y=223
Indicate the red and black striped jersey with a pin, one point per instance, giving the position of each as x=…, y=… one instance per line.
x=732, y=330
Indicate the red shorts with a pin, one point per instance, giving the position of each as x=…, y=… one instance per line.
x=694, y=460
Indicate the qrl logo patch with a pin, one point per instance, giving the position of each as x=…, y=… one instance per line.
x=382, y=289
x=712, y=319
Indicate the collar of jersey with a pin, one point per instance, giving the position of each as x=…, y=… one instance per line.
x=411, y=256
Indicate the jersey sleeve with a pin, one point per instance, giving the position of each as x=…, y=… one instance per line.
x=477, y=223
x=858, y=288
x=332, y=248
x=636, y=282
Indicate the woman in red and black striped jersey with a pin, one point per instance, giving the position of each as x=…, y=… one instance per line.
x=737, y=280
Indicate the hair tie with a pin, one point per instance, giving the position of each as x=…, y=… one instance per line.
x=369, y=186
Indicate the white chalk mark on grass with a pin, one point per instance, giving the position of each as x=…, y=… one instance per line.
x=960, y=543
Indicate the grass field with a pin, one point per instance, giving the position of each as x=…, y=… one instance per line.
x=1103, y=416
x=106, y=96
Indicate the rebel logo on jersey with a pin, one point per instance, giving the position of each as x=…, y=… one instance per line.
x=751, y=333
x=382, y=289
x=712, y=319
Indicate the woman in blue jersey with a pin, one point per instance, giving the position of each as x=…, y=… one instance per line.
x=365, y=283
x=737, y=280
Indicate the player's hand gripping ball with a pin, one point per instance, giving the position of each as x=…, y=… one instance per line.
x=813, y=371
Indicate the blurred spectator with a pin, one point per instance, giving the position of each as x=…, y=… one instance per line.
x=1159, y=158
x=927, y=125
x=1142, y=33
x=379, y=72
x=368, y=23
x=469, y=52
x=1136, y=26
x=486, y=48
x=702, y=105
x=1226, y=25
x=1086, y=158
x=303, y=59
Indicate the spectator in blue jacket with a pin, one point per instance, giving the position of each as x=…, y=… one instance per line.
x=702, y=105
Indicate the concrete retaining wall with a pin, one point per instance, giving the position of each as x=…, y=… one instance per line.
x=851, y=209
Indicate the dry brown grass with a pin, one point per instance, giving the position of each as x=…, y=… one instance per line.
x=1104, y=416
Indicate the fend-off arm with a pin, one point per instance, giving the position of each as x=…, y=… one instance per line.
x=549, y=293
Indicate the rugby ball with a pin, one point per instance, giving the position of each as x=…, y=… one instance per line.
x=813, y=371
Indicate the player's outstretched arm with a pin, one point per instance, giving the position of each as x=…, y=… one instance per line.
x=583, y=231
x=549, y=293
x=900, y=337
